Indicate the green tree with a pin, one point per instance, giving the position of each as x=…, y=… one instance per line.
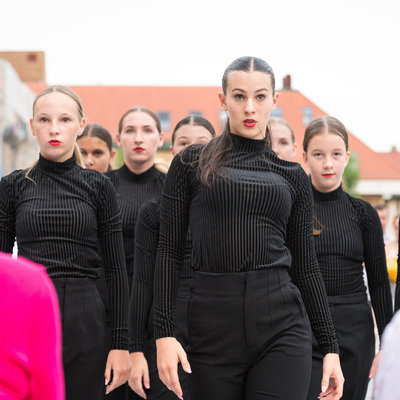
x=351, y=175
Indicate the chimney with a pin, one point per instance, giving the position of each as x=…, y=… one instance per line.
x=287, y=82
x=393, y=149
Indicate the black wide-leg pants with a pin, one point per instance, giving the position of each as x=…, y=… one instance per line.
x=352, y=318
x=84, y=338
x=249, y=337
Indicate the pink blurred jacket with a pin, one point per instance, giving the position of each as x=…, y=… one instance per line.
x=30, y=333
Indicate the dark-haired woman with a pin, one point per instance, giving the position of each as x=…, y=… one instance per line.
x=250, y=217
x=144, y=378
x=96, y=148
x=136, y=182
x=67, y=219
x=347, y=234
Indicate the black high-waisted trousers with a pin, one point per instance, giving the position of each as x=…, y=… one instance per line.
x=249, y=337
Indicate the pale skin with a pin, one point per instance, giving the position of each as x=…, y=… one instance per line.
x=95, y=153
x=56, y=124
x=281, y=141
x=186, y=135
x=326, y=158
x=249, y=100
x=139, y=140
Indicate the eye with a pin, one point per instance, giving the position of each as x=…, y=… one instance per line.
x=239, y=97
x=98, y=153
x=43, y=119
x=337, y=154
x=283, y=142
x=148, y=130
x=182, y=143
x=65, y=119
x=317, y=155
x=260, y=97
x=128, y=130
x=83, y=152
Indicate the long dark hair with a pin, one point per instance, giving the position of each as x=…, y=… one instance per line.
x=215, y=153
x=194, y=120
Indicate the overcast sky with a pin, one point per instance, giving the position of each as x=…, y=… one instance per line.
x=344, y=54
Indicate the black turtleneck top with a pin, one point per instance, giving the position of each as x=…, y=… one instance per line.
x=132, y=191
x=66, y=218
x=259, y=216
x=146, y=241
x=397, y=293
x=347, y=234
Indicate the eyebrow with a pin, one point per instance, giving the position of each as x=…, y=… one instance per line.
x=241, y=90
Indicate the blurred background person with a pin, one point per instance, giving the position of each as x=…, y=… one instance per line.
x=282, y=139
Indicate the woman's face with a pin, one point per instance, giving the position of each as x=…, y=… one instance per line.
x=190, y=134
x=281, y=141
x=326, y=158
x=139, y=139
x=249, y=101
x=56, y=124
x=96, y=154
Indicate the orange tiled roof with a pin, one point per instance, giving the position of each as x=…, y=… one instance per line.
x=105, y=105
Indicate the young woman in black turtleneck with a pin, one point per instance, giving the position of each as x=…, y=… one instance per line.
x=348, y=234
x=144, y=378
x=66, y=218
x=138, y=180
x=250, y=216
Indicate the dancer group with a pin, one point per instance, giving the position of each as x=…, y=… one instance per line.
x=235, y=275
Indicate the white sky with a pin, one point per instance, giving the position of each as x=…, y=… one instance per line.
x=342, y=54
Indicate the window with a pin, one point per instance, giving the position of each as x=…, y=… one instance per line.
x=277, y=113
x=196, y=113
x=165, y=120
x=307, y=115
x=32, y=57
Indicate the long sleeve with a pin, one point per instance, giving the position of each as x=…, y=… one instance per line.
x=397, y=294
x=111, y=244
x=174, y=221
x=146, y=241
x=305, y=272
x=375, y=265
x=7, y=216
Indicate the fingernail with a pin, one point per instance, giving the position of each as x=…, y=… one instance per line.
x=106, y=382
x=147, y=386
x=324, y=388
x=189, y=371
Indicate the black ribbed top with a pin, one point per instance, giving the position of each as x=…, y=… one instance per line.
x=66, y=218
x=397, y=293
x=146, y=241
x=350, y=235
x=132, y=191
x=259, y=217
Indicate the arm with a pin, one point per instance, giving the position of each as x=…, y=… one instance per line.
x=111, y=244
x=7, y=216
x=46, y=377
x=397, y=295
x=173, y=228
x=375, y=266
x=306, y=275
x=146, y=240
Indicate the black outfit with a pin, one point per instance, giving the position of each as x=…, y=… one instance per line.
x=66, y=218
x=132, y=191
x=253, y=225
x=141, y=305
x=348, y=233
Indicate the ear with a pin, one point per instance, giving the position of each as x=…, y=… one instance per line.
x=294, y=149
x=31, y=123
x=161, y=141
x=118, y=138
x=305, y=158
x=171, y=149
x=347, y=157
x=222, y=100
x=82, y=126
x=275, y=100
x=113, y=153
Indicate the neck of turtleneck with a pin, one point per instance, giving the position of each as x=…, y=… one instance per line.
x=58, y=167
x=248, y=145
x=334, y=195
x=128, y=174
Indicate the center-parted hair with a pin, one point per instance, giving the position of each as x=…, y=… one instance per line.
x=193, y=120
x=139, y=109
x=214, y=154
x=326, y=124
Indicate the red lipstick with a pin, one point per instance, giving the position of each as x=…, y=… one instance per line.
x=54, y=142
x=249, y=123
x=138, y=149
x=328, y=175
